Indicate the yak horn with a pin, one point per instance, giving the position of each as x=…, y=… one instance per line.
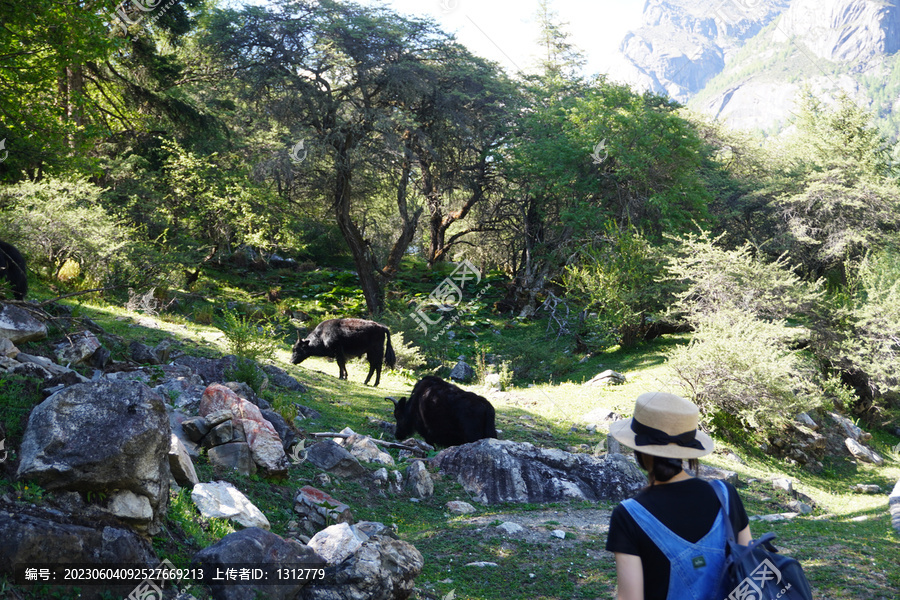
x=392, y=400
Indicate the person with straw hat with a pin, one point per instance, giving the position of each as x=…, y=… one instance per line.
x=669, y=540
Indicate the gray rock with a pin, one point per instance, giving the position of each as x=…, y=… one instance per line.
x=381, y=569
x=852, y=430
x=862, y=488
x=130, y=507
x=607, y=377
x=337, y=542
x=235, y=456
x=863, y=453
x=496, y=471
x=783, y=484
x=805, y=419
x=220, y=499
x=19, y=326
x=101, y=437
x=510, y=528
x=894, y=504
x=181, y=465
x=246, y=392
x=7, y=348
x=208, y=369
x=462, y=372
x=142, y=353
x=287, y=435
x=336, y=460
x=458, y=507
x=363, y=448
x=418, y=480
x=559, y=534
x=800, y=507
x=195, y=428
x=279, y=378
x=260, y=548
x=78, y=349
x=319, y=509
x=220, y=434
x=50, y=369
x=42, y=538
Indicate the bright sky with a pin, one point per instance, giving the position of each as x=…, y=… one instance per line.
x=506, y=31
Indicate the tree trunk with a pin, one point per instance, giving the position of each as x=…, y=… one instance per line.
x=408, y=231
x=362, y=257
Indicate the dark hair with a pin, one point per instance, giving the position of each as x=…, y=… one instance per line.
x=663, y=469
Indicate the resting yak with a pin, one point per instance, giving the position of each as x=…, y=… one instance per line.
x=12, y=268
x=443, y=414
x=341, y=339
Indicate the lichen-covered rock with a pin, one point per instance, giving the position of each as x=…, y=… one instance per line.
x=418, y=480
x=496, y=471
x=264, y=442
x=381, y=569
x=101, y=437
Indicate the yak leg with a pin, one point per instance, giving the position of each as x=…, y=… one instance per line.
x=375, y=359
x=342, y=365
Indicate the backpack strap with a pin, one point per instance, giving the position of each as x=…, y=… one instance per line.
x=721, y=491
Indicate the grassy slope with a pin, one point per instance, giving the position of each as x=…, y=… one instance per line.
x=847, y=545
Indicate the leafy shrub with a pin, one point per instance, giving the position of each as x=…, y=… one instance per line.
x=619, y=279
x=740, y=367
x=715, y=279
x=55, y=222
x=246, y=338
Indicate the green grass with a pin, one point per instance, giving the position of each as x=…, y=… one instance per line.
x=846, y=545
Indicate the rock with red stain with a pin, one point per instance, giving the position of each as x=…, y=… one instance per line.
x=265, y=444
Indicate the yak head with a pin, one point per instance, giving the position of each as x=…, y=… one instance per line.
x=405, y=426
x=301, y=350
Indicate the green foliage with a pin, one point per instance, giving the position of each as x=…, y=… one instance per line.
x=409, y=355
x=739, y=367
x=619, y=277
x=56, y=220
x=715, y=279
x=870, y=342
x=29, y=492
x=18, y=395
x=247, y=338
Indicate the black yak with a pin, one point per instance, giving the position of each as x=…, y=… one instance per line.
x=348, y=338
x=443, y=414
x=12, y=268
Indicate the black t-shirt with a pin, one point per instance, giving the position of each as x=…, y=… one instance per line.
x=688, y=508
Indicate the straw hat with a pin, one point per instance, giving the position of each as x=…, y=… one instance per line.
x=663, y=425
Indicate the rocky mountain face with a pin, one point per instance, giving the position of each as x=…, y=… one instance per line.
x=746, y=61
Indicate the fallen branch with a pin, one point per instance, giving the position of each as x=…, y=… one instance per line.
x=344, y=436
x=103, y=289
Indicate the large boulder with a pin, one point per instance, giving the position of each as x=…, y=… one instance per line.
x=17, y=325
x=256, y=548
x=77, y=349
x=381, y=569
x=40, y=539
x=265, y=444
x=333, y=458
x=496, y=471
x=106, y=437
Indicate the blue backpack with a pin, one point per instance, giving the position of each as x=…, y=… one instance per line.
x=757, y=571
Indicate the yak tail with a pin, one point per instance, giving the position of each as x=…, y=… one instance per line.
x=390, y=359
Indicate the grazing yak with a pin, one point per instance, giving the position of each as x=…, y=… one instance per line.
x=12, y=268
x=341, y=339
x=443, y=414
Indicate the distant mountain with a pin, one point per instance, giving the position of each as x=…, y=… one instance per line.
x=745, y=61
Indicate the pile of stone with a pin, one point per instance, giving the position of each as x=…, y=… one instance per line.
x=235, y=433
